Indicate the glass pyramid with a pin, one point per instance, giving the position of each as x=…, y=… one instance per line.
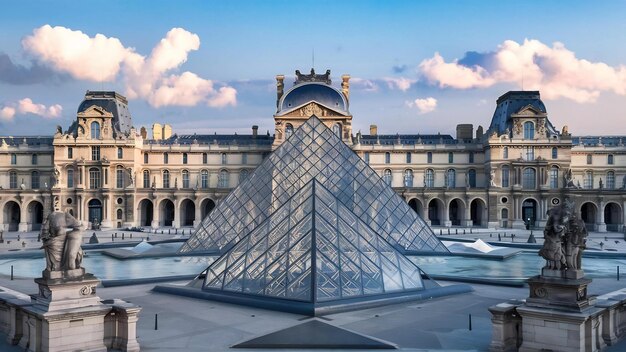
x=313, y=151
x=313, y=249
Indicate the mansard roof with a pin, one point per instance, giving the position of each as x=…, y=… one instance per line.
x=513, y=102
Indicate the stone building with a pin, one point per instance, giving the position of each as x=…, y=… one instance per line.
x=104, y=171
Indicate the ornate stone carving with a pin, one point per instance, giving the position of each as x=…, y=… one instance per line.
x=517, y=127
x=313, y=77
x=311, y=109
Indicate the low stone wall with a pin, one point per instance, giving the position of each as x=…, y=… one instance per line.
x=604, y=324
x=22, y=325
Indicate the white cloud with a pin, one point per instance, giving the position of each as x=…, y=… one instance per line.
x=27, y=106
x=424, y=105
x=101, y=58
x=364, y=84
x=401, y=83
x=555, y=70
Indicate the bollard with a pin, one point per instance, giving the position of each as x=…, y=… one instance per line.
x=122, y=235
x=464, y=231
x=456, y=231
x=116, y=235
x=131, y=235
x=470, y=322
x=156, y=322
x=440, y=233
x=11, y=272
x=112, y=238
x=448, y=230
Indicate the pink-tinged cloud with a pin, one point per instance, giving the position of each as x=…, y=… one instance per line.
x=423, y=105
x=101, y=58
x=27, y=106
x=555, y=71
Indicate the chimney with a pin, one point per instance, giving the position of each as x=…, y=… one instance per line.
x=373, y=130
x=167, y=131
x=255, y=131
x=464, y=132
x=157, y=131
x=143, y=132
x=280, y=86
x=345, y=86
x=479, y=132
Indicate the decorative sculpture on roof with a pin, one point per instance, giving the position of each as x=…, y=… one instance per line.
x=565, y=236
x=61, y=237
x=313, y=77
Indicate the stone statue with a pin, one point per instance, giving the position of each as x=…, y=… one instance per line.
x=492, y=178
x=57, y=176
x=565, y=236
x=568, y=179
x=131, y=176
x=425, y=180
x=624, y=182
x=61, y=237
x=601, y=184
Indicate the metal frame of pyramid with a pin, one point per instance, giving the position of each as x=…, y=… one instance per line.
x=313, y=151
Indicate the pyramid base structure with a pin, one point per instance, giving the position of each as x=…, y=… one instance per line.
x=318, y=308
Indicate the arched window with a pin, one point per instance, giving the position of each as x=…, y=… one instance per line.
x=243, y=175
x=222, y=179
x=166, y=179
x=429, y=178
x=70, y=178
x=610, y=180
x=120, y=214
x=13, y=159
x=145, y=158
x=387, y=158
x=610, y=160
x=450, y=158
x=505, y=153
x=429, y=157
x=505, y=176
x=146, y=179
x=184, y=158
x=451, y=178
x=588, y=180
x=166, y=158
x=13, y=180
x=529, y=178
x=408, y=178
x=554, y=177
x=204, y=179
x=529, y=130
x=337, y=129
x=224, y=159
x=505, y=214
x=589, y=159
x=120, y=153
x=119, y=177
x=387, y=176
x=205, y=158
x=94, y=178
x=471, y=177
x=34, y=180
x=33, y=159
x=288, y=130
x=408, y=157
x=555, y=153
x=185, y=179
x=95, y=130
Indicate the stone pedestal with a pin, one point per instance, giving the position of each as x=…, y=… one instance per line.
x=67, y=314
x=558, y=293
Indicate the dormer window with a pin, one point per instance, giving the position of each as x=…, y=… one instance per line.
x=529, y=130
x=95, y=130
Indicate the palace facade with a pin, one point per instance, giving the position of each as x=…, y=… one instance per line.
x=106, y=172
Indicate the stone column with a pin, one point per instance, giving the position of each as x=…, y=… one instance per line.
x=467, y=221
x=106, y=210
x=600, y=217
x=198, y=218
x=156, y=213
x=446, y=214
x=506, y=327
x=518, y=222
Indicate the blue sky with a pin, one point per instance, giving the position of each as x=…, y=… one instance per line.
x=244, y=44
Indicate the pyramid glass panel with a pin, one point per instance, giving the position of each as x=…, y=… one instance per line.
x=328, y=255
x=312, y=152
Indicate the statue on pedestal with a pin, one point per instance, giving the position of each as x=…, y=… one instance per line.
x=61, y=237
x=565, y=236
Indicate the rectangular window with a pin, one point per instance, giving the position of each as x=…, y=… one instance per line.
x=224, y=159
x=120, y=153
x=387, y=158
x=554, y=178
x=610, y=180
x=95, y=153
x=13, y=159
x=429, y=157
x=146, y=179
x=530, y=153
x=13, y=180
x=166, y=179
x=408, y=157
x=588, y=180
x=244, y=158
x=450, y=158
x=145, y=158
x=70, y=153
x=94, y=179
x=119, y=177
x=185, y=179
x=205, y=179
x=166, y=158
x=205, y=158
x=366, y=157
x=505, y=177
x=35, y=180
x=106, y=176
x=34, y=159
x=185, y=158
x=70, y=178
x=471, y=157
x=589, y=159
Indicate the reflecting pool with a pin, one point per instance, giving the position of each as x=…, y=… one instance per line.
x=518, y=267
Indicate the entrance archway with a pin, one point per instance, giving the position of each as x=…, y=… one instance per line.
x=187, y=212
x=435, y=211
x=588, y=213
x=416, y=205
x=35, y=211
x=167, y=213
x=613, y=217
x=146, y=212
x=95, y=211
x=478, y=212
x=529, y=212
x=456, y=210
x=207, y=206
x=12, y=216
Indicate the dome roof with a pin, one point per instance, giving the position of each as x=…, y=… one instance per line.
x=319, y=92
